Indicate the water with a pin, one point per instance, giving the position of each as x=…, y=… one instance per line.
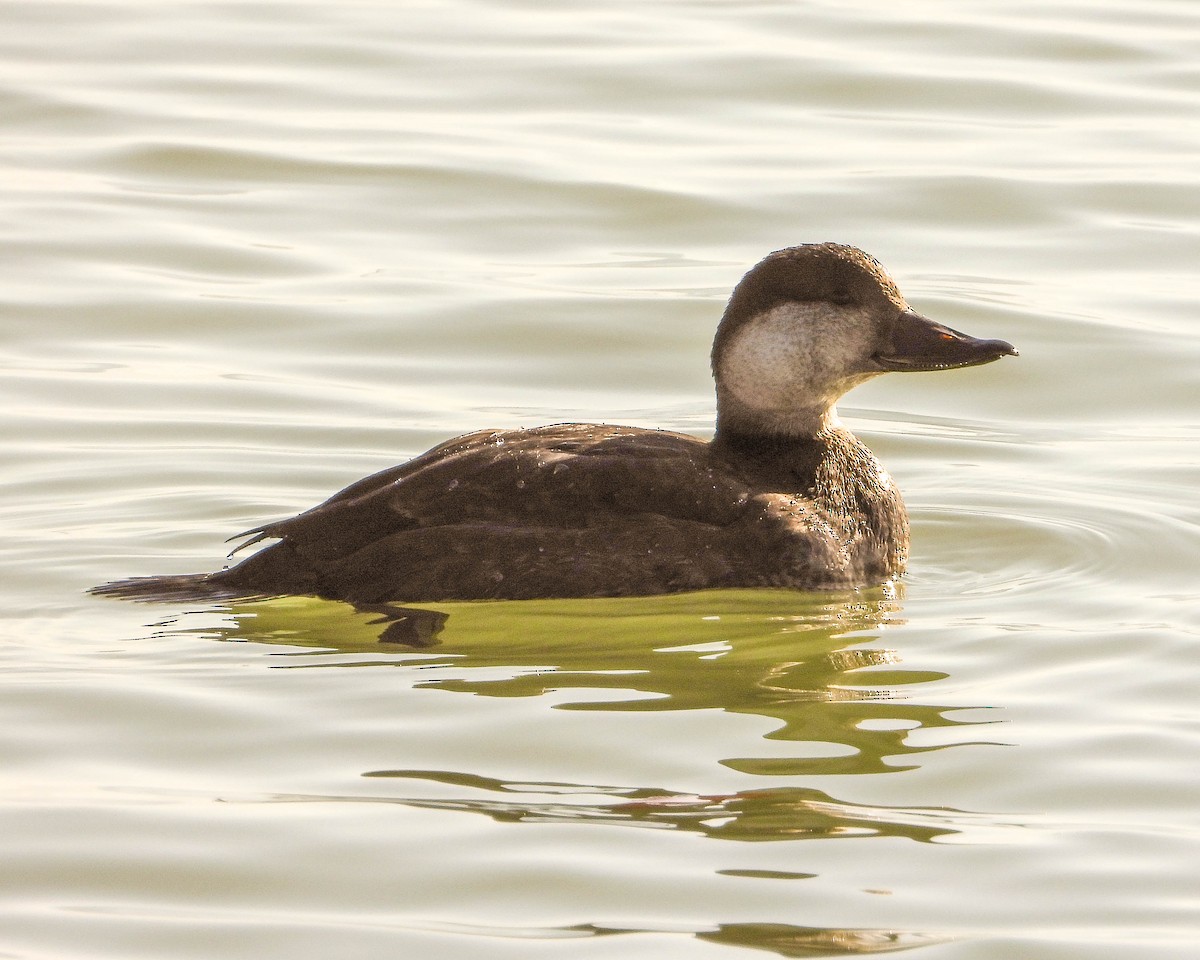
x=254, y=251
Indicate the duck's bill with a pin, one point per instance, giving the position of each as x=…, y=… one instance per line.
x=920, y=344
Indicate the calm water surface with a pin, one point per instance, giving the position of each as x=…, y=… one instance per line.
x=254, y=251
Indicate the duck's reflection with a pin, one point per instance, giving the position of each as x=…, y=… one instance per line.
x=812, y=662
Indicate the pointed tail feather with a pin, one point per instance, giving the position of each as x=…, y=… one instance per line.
x=188, y=586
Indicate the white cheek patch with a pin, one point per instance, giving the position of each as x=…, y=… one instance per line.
x=764, y=359
x=796, y=355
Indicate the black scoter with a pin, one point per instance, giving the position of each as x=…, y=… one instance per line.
x=782, y=496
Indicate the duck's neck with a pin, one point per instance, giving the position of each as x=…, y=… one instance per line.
x=757, y=433
x=785, y=461
x=791, y=423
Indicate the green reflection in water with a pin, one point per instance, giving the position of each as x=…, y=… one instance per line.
x=812, y=663
x=770, y=814
x=808, y=661
x=791, y=941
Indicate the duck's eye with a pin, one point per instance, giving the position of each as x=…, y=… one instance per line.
x=840, y=297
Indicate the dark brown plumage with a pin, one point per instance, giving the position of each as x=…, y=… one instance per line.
x=782, y=496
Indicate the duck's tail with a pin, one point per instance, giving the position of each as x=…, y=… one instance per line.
x=187, y=586
x=414, y=627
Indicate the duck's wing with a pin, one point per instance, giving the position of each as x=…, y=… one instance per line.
x=319, y=519
x=565, y=475
x=566, y=510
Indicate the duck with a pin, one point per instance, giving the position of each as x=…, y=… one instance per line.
x=782, y=495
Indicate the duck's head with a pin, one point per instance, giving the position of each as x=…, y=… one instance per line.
x=807, y=324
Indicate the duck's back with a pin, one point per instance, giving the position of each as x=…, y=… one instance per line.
x=571, y=510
